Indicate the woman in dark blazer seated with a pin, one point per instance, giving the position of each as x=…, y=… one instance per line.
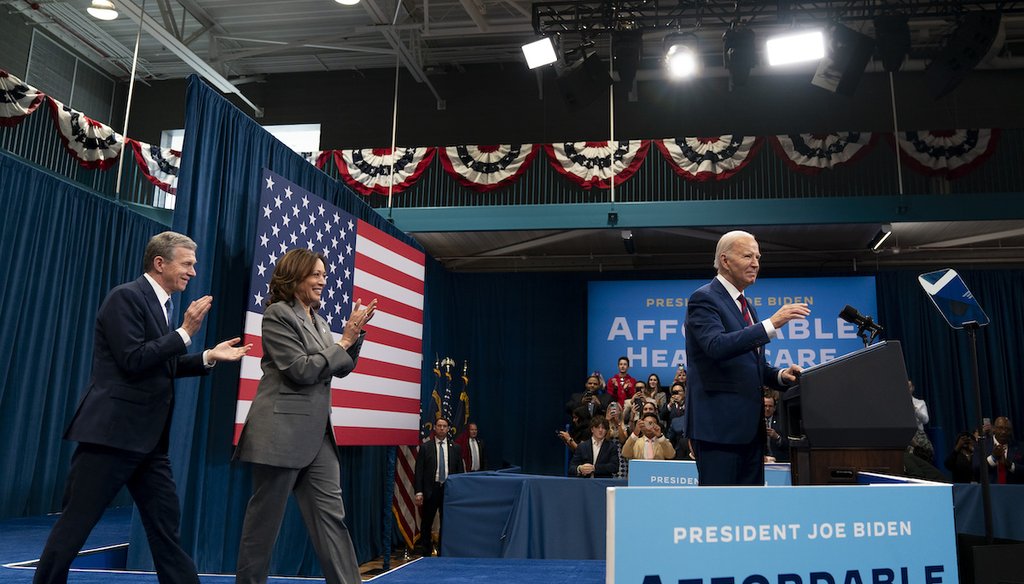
x=288, y=434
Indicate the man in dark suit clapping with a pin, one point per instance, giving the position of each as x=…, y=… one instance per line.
x=123, y=421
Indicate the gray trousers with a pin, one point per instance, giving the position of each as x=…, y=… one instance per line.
x=317, y=490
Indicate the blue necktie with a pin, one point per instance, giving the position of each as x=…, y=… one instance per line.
x=169, y=305
x=442, y=466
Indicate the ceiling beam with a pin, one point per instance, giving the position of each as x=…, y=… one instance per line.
x=405, y=55
x=165, y=38
x=168, y=15
x=475, y=11
x=972, y=239
x=281, y=46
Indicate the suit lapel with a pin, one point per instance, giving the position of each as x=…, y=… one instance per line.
x=726, y=298
x=308, y=326
x=155, y=310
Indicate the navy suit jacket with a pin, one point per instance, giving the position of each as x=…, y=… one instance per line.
x=725, y=369
x=607, y=463
x=136, y=357
x=426, y=465
x=1013, y=454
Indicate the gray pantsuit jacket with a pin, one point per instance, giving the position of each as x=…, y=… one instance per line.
x=291, y=411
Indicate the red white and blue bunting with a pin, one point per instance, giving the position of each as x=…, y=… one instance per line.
x=951, y=153
x=487, y=168
x=709, y=158
x=17, y=100
x=95, y=145
x=317, y=158
x=368, y=170
x=812, y=153
x=159, y=165
x=596, y=164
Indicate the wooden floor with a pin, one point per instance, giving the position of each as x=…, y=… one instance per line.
x=375, y=567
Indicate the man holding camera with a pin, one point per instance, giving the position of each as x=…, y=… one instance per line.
x=646, y=442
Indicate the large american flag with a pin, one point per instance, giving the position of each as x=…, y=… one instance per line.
x=379, y=402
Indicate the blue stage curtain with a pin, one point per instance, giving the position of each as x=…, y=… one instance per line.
x=217, y=205
x=938, y=357
x=64, y=248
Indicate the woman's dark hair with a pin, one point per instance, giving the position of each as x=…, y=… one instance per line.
x=293, y=267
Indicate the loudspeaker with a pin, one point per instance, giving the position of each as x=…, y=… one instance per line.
x=584, y=81
x=892, y=35
x=846, y=56
x=964, y=50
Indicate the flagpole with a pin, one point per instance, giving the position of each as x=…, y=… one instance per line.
x=128, y=106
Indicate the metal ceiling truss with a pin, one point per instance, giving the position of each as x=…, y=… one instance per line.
x=594, y=18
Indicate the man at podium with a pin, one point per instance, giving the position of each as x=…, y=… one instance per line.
x=727, y=368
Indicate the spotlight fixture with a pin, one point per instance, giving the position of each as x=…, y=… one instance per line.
x=738, y=53
x=681, y=55
x=102, y=10
x=347, y=2
x=847, y=54
x=627, y=241
x=796, y=48
x=892, y=37
x=539, y=53
x=880, y=237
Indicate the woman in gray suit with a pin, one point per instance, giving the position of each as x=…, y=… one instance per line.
x=288, y=435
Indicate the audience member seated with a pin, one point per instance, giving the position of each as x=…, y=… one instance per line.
x=673, y=416
x=776, y=442
x=959, y=460
x=634, y=407
x=596, y=457
x=656, y=390
x=917, y=461
x=579, y=428
x=647, y=442
x=621, y=385
x=999, y=455
x=617, y=435
x=591, y=397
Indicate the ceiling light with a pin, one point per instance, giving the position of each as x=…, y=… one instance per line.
x=347, y=2
x=796, y=48
x=102, y=10
x=880, y=237
x=681, y=56
x=539, y=53
x=738, y=53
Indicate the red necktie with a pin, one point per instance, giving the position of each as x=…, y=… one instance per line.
x=1001, y=472
x=745, y=311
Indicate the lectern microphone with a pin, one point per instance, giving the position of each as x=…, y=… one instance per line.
x=850, y=315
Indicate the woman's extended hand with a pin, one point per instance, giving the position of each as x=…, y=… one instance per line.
x=356, y=320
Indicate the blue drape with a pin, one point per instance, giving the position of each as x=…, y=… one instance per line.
x=64, y=248
x=218, y=195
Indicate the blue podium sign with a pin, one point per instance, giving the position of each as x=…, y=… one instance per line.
x=683, y=473
x=879, y=534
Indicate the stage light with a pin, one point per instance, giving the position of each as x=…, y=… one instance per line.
x=627, y=48
x=681, y=55
x=796, y=48
x=539, y=53
x=627, y=241
x=880, y=237
x=347, y=2
x=102, y=10
x=739, y=53
x=892, y=36
x=847, y=54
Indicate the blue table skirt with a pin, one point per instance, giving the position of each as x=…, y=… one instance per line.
x=502, y=515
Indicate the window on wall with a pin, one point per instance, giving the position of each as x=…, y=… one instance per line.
x=72, y=81
x=299, y=137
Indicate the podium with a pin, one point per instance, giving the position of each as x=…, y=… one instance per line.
x=849, y=415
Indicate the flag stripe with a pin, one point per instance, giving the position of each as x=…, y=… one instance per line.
x=386, y=320
x=375, y=351
x=389, y=370
x=394, y=339
x=369, y=401
x=369, y=436
x=396, y=277
x=354, y=381
x=376, y=287
x=390, y=247
x=395, y=308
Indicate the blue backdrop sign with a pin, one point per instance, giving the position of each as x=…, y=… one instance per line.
x=891, y=534
x=643, y=320
x=683, y=473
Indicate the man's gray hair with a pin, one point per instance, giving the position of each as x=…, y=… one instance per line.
x=163, y=245
x=725, y=244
